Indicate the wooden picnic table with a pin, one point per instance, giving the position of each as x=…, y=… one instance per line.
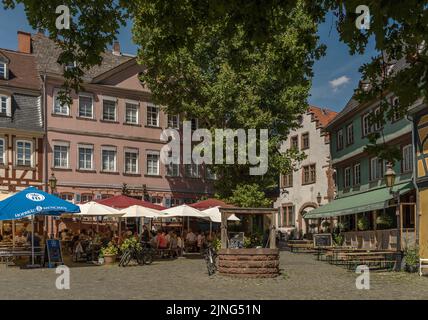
x=371, y=257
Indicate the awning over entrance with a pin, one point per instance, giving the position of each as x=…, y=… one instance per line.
x=366, y=201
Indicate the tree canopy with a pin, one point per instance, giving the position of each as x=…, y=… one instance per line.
x=244, y=63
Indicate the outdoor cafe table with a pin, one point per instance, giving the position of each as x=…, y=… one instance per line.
x=9, y=253
x=369, y=256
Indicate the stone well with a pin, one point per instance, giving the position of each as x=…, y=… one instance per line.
x=249, y=263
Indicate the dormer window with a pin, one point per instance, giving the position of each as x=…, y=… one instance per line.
x=3, y=70
x=5, y=109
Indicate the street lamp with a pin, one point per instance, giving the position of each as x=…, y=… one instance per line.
x=390, y=176
x=390, y=181
x=319, y=198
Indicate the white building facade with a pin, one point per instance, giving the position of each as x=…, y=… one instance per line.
x=312, y=184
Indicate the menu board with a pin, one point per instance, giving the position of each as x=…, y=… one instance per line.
x=53, y=252
x=323, y=240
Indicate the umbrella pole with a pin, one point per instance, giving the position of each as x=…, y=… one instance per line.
x=13, y=233
x=32, y=240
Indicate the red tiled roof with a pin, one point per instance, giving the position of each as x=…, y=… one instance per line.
x=122, y=202
x=322, y=115
x=209, y=203
x=22, y=70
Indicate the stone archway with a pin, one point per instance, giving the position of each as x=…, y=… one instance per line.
x=306, y=207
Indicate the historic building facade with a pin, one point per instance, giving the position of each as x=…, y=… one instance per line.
x=21, y=123
x=419, y=114
x=370, y=211
x=312, y=184
x=108, y=139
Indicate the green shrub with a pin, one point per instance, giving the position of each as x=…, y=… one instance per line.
x=363, y=223
x=411, y=256
x=131, y=242
x=111, y=249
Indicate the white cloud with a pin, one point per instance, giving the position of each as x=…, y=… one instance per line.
x=338, y=82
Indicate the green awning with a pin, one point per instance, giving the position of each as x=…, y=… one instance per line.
x=362, y=202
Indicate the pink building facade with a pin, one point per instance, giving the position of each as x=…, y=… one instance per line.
x=109, y=136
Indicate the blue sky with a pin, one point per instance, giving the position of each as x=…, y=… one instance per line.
x=335, y=75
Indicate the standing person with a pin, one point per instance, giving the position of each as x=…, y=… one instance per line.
x=180, y=245
x=190, y=239
x=200, y=241
x=145, y=235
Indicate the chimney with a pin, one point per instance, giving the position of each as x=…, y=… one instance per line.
x=24, y=42
x=116, y=48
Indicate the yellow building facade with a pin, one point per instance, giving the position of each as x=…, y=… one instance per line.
x=420, y=116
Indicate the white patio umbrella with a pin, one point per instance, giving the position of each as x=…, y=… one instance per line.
x=93, y=208
x=182, y=211
x=215, y=215
x=233, y=218
x=137, y=211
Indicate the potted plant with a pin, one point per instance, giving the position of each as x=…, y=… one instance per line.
x=363, y=223
x=384, y=220
x=411, y=258
x=109, y=253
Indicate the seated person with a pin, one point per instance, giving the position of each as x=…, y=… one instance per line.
x=191, y=238
x=161, y=240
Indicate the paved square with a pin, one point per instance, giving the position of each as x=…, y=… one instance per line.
x=303, y=277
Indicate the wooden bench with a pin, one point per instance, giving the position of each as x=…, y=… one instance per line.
x=423, y=264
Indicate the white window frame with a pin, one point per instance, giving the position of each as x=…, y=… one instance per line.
x=407, y=162
x=347, y=173
x=31, y=156
x=157, y=115
x=86, y=95
x=8, y=112
x=194, y=170
x=61, y=144
x=86, y=146
x=135, y=103
x=111, y=99
x=5, y=74
x=377, y=125
x=55, y=94
x=131, y=150
x=357, y=178
x=366, y=130
x=377, y=170
x=178, y=121
x=152, y=153
x=173, y=174
x=109, y=148
x=3, y=154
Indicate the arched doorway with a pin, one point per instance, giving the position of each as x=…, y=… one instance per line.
x=305, y=223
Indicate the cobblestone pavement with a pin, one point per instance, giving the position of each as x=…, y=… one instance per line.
x=303, y=277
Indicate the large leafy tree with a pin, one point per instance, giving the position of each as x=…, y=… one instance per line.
x=231, y=64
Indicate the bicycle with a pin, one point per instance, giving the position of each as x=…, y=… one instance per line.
x=140, y=255
x=211, y=260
